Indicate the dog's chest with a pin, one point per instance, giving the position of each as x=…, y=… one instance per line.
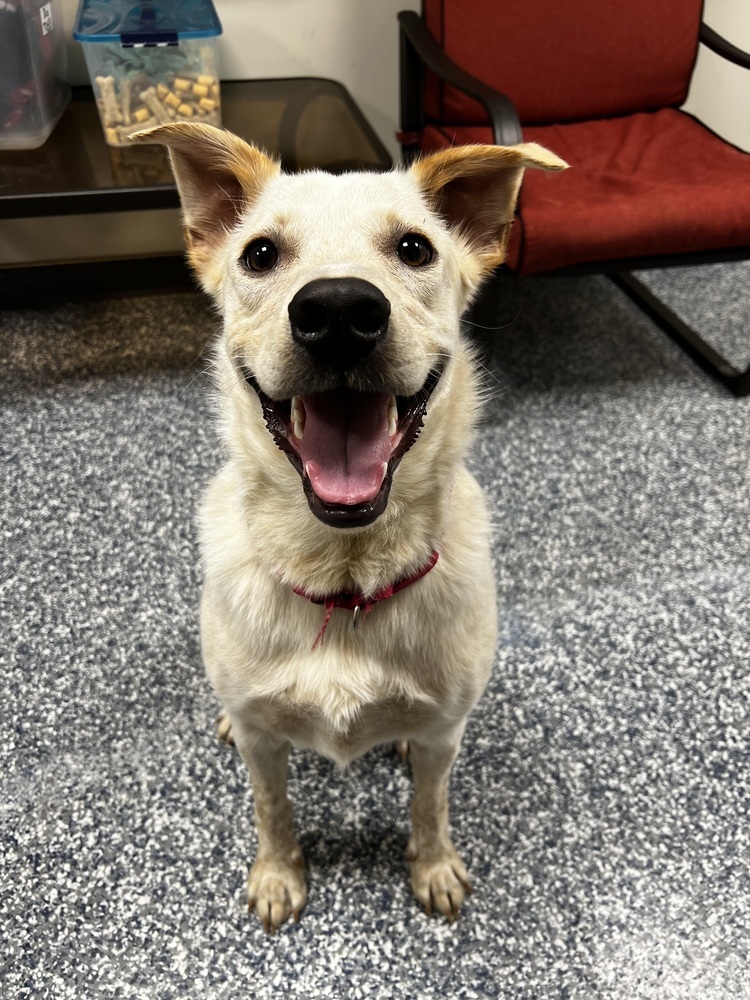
x=342, y=731
x=342, y=713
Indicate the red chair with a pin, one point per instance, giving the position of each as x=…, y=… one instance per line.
x=600, y=84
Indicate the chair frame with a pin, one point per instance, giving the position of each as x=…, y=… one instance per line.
x=420, y=51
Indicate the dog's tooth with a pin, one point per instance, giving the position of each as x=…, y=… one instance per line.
x=298, y=417
x=392, y=416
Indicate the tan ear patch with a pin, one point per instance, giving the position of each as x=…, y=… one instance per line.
x=218, y=176
x=475, y=189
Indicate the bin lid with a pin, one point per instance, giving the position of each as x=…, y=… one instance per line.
x=161, y=22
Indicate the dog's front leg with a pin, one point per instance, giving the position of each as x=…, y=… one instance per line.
x=276, y=885
x=438, y=876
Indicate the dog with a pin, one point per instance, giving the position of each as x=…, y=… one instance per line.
x=348, y=596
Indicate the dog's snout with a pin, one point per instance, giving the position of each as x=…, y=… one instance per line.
x=339, y=320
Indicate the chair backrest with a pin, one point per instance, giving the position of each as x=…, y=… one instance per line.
x=567, y=60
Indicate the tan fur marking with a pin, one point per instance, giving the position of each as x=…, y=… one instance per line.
x=475, y=188
x=218, y=176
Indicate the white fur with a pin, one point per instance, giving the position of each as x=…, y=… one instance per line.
x=420, y=660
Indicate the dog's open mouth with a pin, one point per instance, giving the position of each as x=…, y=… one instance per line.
x=346, y=445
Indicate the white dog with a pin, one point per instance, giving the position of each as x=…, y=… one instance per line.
x=348, y=595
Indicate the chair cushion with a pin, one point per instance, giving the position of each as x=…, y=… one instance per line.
x=566, y=60
x=639, y=186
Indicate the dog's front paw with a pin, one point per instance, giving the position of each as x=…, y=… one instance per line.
x=277, y=889
x=439, y=880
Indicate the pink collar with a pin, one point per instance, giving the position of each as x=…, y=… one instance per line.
x=358, y=603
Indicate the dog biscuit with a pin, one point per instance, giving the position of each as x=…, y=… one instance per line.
x=112, y=114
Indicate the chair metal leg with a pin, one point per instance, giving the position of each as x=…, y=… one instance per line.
x=738, y=382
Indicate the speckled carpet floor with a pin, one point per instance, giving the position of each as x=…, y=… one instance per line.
x=602, y=795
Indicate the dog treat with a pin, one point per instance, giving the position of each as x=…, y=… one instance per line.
x=112, y=114
x=172, y=100
x=138, y=88
x=126, y=93
x=152, y=102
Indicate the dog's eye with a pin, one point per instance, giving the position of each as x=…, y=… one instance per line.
x=414, y=250
x=260, y=255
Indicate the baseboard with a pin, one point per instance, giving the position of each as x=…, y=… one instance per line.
x=43, y=283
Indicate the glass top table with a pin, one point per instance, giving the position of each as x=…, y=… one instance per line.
x=307, y=122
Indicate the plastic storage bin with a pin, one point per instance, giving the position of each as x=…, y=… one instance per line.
x=150, y=63
x=33, y=89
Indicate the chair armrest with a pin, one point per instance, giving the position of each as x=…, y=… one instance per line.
x=503, y=116
x=714, y=41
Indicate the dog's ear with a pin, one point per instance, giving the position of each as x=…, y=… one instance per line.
x=218, y=175
x=475, y=189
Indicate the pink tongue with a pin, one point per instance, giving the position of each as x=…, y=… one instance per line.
x=345, y=444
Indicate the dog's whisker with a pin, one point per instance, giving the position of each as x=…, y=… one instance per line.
x=493, y=329
x=201, y=357
x=483, y=370
x=487, y=375
x=205, y=373
x=489, y=384
x=473, y=361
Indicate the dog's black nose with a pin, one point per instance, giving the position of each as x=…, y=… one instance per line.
x=339, y=320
